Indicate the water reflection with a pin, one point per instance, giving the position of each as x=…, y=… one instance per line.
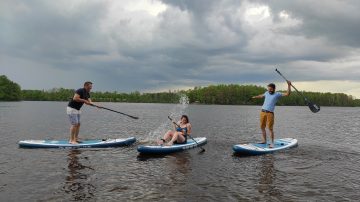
x=77, y=182
x=267, y=176
x=172, y=171
x=181, y=163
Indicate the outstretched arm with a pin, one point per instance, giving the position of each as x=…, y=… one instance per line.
x=288, y=92
x=258, y=96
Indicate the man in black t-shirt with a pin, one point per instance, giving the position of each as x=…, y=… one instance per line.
x=82, y=95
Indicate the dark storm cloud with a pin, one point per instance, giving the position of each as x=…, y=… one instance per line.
x=336, y=20
x=186, y=44
x=36, y=27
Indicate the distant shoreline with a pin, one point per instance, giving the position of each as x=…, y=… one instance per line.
x=221, y=94
x=200, y=104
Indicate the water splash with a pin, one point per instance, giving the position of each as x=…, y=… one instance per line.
x=180, y=108
x=175, y=113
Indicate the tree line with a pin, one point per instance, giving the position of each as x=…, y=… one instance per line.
x=9, y=90
x=231, y=94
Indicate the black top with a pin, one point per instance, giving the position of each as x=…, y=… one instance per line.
x=83, y=95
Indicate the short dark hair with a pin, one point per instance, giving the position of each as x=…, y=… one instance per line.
x=272, y=85
x=87, y=83
x=186, y=117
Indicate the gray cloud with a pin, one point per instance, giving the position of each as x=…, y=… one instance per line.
x=336, y=20
x=188, y=43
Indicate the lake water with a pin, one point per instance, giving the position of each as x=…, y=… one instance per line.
x=324, y=167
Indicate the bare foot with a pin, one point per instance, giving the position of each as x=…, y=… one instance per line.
x=169, y=144
x=271, y=145
x=73, y=142
x=160, y=142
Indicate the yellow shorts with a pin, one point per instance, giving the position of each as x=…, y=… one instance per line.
x=266, y=119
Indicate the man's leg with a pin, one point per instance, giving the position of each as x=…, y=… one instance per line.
x=77, y=127
x=262, y=126
x=272, y=137
x=72, y=134
x=77, y=132
x=270, y=124
x=263, y=137
x=73, y=121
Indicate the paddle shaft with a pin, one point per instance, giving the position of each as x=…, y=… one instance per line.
x=292, y=85
x=134, y=117
x=202, y=149
x=313, y=107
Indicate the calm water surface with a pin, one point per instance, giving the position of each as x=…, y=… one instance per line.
x=324, y=167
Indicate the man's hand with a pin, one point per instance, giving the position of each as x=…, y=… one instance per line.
x=288, y=92
x=87, y=102
x=95, y=105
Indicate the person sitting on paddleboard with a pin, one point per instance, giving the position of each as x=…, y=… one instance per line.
x=81, y=96
x=179, y=135
x=267, y=111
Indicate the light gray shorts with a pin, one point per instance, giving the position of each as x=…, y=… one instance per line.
x=74, y=119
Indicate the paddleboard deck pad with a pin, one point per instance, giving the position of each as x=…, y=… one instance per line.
x=257, y=148
x=96, y=143
x=162, y=149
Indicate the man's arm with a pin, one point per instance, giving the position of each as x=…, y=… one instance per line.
x=78, y=99
x=288, y=92
x=93, y=104
x=258, y=96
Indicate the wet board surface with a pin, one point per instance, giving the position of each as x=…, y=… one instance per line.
x=95, y=143
x=257, y=148
x=157, y=149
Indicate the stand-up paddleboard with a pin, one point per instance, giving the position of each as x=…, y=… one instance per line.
x=162, y=149
x=83, y=143
x=257, y=148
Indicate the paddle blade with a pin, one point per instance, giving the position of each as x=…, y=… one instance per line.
x=313, y=107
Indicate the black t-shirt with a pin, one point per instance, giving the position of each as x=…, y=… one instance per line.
x=83, y=95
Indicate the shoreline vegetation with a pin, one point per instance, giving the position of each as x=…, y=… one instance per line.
x=222, y=94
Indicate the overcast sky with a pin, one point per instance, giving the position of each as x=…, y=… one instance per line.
x=153, y=45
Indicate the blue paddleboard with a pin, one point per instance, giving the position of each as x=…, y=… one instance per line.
x=257, y=148
x=158, y=149
x=83, y=144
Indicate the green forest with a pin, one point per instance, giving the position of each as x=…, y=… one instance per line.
x=9, y=91
x=230, y=94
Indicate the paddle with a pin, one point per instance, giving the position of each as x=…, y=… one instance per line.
x=202, y=149
x=134, y=117
x=313, y=107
